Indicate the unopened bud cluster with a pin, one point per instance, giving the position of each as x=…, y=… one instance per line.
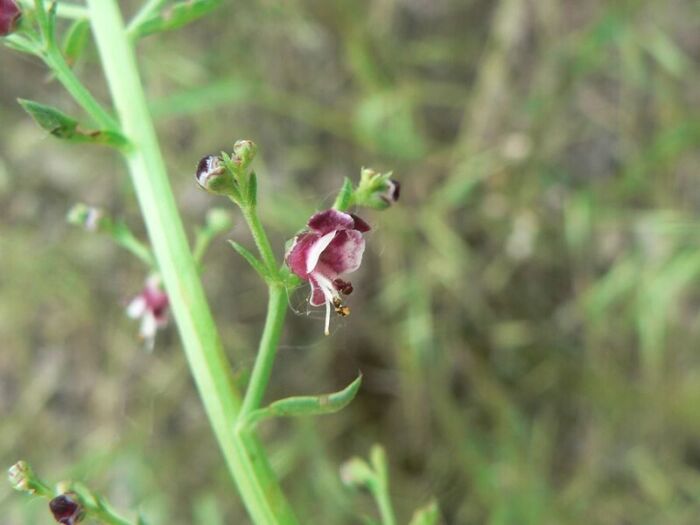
x=229, y=174
x=376, y=190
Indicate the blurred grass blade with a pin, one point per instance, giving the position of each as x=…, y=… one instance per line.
x=308, y=405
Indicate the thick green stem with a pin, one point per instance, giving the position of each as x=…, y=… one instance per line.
x=246, y=460
x=276, y=311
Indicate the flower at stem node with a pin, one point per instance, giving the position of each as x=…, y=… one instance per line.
x=151, y=306
x=332, y=245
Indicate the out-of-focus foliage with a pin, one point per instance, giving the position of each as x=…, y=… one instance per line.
x=528, y=315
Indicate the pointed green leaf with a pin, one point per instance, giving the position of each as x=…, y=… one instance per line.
x=252, y=260
x=344, y=199
x=75, y=40
x=427, y=515
x=50, y=119
x=64, y=127
x=308, y=405
x=174, y=17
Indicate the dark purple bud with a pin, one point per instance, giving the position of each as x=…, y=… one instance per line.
x=213, y=176
x=9, y=16
x=394, y=189
x=208, y=167
x=66, y=509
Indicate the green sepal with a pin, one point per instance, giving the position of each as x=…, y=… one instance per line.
x=174, y=17
x=426, y=515
x=307, y=405
x=254, y=262
x=64, y=127
x=51, y=22
x=345, y=196
x=252, y=189
x=75, y=41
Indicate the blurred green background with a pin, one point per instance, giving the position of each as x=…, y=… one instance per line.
x=526, y=319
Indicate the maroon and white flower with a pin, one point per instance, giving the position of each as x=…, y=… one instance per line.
x=9, y=15
x=151, y=306
x=332, y=246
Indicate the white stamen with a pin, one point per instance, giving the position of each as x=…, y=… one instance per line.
x=329, y=293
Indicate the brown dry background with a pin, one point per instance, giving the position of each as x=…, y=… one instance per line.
x=527, y=319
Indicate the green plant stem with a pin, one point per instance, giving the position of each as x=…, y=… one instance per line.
x=261, y=241
x=147, y=10
x=246, y=460
x=276, y=312
x=386, y=510
x=55, y=61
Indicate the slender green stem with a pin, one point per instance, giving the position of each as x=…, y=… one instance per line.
x=261, y=241
x=55, y=61
x=246, y=460
x=276, y=312
x=386, y=510
x=64, y=9
x=148, y=9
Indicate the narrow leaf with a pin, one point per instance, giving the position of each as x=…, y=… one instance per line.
x=308, y=405
x=50, y=119
x=252, y=260
x=22, y=44
x=344, y=199
x=75, y=40
x=175, y=17
x=64, y=127
x=252, y=189
x=427, y=515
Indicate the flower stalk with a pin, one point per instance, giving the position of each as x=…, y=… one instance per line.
x=246, y=460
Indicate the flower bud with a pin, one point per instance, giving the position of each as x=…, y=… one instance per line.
x=213, y=176
x=377, y=190
x=88, y=217
x=9, y=16
x=20, y=475
x=356, y=473
x=392, y=193
x=66, y=509
x=245, y=151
